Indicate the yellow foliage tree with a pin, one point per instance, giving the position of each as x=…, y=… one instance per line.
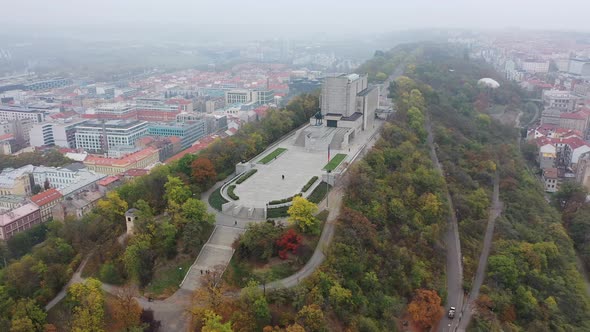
x=302, y=212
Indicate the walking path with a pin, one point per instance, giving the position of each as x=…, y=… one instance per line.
x=495, y=212
x=76, y=278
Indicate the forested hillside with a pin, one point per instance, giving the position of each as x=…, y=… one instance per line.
x=532, y=282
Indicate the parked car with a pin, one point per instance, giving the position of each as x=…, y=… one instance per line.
x=451, y=312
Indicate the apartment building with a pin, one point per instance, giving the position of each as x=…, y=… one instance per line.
x=46, y=201
x=18, y=220
x=97, y=136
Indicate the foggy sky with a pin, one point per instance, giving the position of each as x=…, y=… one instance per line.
x=301, y=16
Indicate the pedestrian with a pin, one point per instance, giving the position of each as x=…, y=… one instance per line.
x=201, y=271
x=283, y=176
x=235, y=223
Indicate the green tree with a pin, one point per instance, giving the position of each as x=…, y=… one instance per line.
x=139, y=258
x=27, y=316
x=301, y=213
x=112, y=206
x=176, y=191
x=253, y=300
x=87, y=301
x=212, y=323
x=312, y=318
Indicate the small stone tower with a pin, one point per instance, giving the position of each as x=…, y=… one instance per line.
x=130, y=220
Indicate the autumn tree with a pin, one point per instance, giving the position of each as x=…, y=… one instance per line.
x=126, y=310
x=253, y=300
x=203, y=172
x=27, y=316
x=289, y=241
x=87, y=301
x=424, y=309
x=301, y=213
x=312, y=318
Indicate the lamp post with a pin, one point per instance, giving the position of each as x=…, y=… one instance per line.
x=327, y=188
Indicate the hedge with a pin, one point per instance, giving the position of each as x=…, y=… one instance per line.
x=284, y=200
x=279, y=212
x=318, y=194
x=230, y=192
x=271, y=156
x=309, y=184
x=246, y=176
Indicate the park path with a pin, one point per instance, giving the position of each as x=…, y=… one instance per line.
x=495, y=211
x=76, y=278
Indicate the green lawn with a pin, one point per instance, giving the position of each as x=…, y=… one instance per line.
x=269, y=157
x=318, y=194
x=216, y=200
x=336, y=160
x=279, y=212
x=168, y=276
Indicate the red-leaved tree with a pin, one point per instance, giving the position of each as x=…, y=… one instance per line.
x=289, y=241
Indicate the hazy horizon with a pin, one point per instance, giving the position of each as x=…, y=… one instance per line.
x=291, y=19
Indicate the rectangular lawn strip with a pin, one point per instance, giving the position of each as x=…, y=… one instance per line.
x=318, y=194
x=269, y=157
x=246, y=176
x=216, y=200
x=279, y=212
x=335, y=162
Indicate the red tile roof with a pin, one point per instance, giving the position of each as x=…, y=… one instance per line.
x=573, y=116
x=134, y=172
x=46, y=197
x=108, y=180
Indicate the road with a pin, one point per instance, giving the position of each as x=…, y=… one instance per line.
x=454, y=266
x=495, y=211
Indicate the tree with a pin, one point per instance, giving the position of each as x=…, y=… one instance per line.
x=176, y=191
x=424, y=309
x=289, y=241
x=27, y=316
x=301, y=212
x=253, y=300
x=312, y=318
x=195, y=211
x=212, y=323
x=126, y=310
x=258, y=242
x=203, y=172
x=87, y=301
x=139, y=258
x=113, y=206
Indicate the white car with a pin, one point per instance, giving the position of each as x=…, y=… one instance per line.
x=451, y=312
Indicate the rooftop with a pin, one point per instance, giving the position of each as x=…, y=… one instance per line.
x=128, y=159
x=17, y=213
x=46, y=197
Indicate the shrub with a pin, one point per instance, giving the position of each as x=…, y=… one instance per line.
x=309, y=183
x=289, y=241
x=109, y=274
x=318, y=194
x=230, y=192
x=284, y=200
x=246, y=176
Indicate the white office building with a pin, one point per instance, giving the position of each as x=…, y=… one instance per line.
x=61, y=133
x=99, y=136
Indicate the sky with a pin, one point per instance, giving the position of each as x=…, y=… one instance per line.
x=300, y=16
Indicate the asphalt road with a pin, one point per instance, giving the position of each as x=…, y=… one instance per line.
x=454, y=266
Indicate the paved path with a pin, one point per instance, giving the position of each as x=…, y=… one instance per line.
x=76, y=278
x=454, y=270
x=495, y=211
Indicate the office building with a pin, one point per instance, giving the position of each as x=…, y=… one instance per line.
x=188, y=132
x=240, y=97
x=100, y=136
x=55, y=83
x=564, y=101
x=60, y=133
x=579, y=67
x=11, y=113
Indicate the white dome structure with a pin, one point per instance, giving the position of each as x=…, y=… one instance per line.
x=488, y=82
